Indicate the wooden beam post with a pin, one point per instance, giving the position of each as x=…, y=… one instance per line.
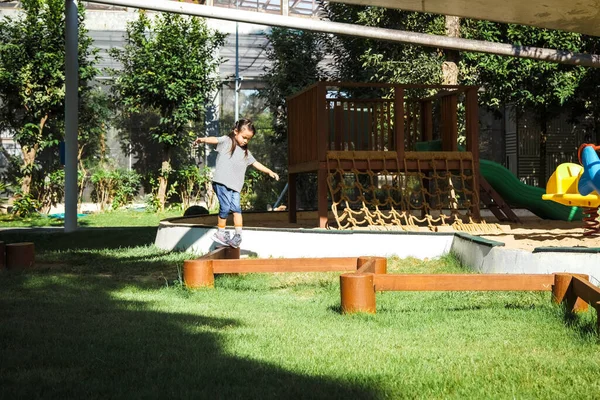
x=399, y=121
x=292, y=206
x=322, y=204
x=472, y=132
x=357, y=293
x=198, y=273
x=562, y=290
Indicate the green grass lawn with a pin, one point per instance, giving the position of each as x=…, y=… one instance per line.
x=104, y=219
x=104, y=315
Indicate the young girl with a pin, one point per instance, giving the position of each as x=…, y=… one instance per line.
x=233, y=158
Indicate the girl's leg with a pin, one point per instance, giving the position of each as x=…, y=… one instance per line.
x=238, y=223
x=224, y=196
x=237, y=220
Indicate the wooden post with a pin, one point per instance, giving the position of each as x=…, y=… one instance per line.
x=399, y=121
x=322, y=122
x=562, y=290
x=322, y=148
x=20, y=255
x=472, y=128
x=322, y=196
x=292, y=207
x=380, y=266
x=357, y=293
x=198, y=273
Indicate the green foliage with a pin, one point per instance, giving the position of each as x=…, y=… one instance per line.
x=25, y=205
x=54, y=190
x=169, y=66
x=32, y=78
x=367, y=60
x=127, y=188
x=105, y=182
x=295, y=57
x=191, y=183
x=526, y=83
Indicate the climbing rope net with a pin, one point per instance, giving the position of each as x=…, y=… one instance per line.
x=384, y=197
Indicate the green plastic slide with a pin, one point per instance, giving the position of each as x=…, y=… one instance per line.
x=518, y=194
x=513, y=191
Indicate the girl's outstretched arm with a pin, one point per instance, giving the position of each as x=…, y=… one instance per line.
x=266, y=170
x=208, y=140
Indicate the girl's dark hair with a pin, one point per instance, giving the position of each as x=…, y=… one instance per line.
x=239, y=126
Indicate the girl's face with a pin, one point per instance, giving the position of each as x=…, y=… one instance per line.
x=243, y=136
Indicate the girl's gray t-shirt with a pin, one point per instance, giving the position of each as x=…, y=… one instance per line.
x=230, y=169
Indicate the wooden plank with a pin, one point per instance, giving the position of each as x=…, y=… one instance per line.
x=310, y=166
x=411, y=165
x=369, y=266
x=217, y=254
x=284, y=265
x=586, y=291
x=464, y=282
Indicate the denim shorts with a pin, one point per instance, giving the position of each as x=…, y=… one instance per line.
x=229, y=200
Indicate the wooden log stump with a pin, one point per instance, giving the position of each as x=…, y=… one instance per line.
x=357, y=293
x=198, y=274
x=20, y=255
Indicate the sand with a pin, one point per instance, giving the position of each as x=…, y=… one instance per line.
x=535, y=232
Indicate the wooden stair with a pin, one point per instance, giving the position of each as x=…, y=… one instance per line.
x=495, y=203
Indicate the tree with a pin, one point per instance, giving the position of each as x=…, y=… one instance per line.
x=368, y=60
x=32, y=77
x=538, y=86
x=295, y=58
x=169, y=68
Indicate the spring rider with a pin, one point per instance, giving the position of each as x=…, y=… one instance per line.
x=579, y=185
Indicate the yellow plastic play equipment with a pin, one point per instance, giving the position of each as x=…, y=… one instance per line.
x=562, y=187
x=579, y=185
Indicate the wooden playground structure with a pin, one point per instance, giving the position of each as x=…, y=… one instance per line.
x=363, y=277
x=362, y=142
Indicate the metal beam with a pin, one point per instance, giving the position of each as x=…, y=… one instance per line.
x=436, y=41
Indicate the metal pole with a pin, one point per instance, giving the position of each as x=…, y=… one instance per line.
x=392, y=35
x=71, y=110
x=237, y=73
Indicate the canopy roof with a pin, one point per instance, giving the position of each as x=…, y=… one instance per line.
x=582, y=16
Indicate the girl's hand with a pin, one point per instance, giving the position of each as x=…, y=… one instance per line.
x=197, y=141
x=274, y=175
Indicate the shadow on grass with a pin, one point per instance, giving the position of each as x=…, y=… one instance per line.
x=584, y=324
x=47, y=239
x=68, y=337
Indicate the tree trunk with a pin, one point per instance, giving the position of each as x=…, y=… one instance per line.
x=450, y=66
x=29, y=154
x=163, y=179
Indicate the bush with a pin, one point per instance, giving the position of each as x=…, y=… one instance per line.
x=25, y=205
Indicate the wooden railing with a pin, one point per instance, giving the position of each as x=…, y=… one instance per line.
x=332, y=116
